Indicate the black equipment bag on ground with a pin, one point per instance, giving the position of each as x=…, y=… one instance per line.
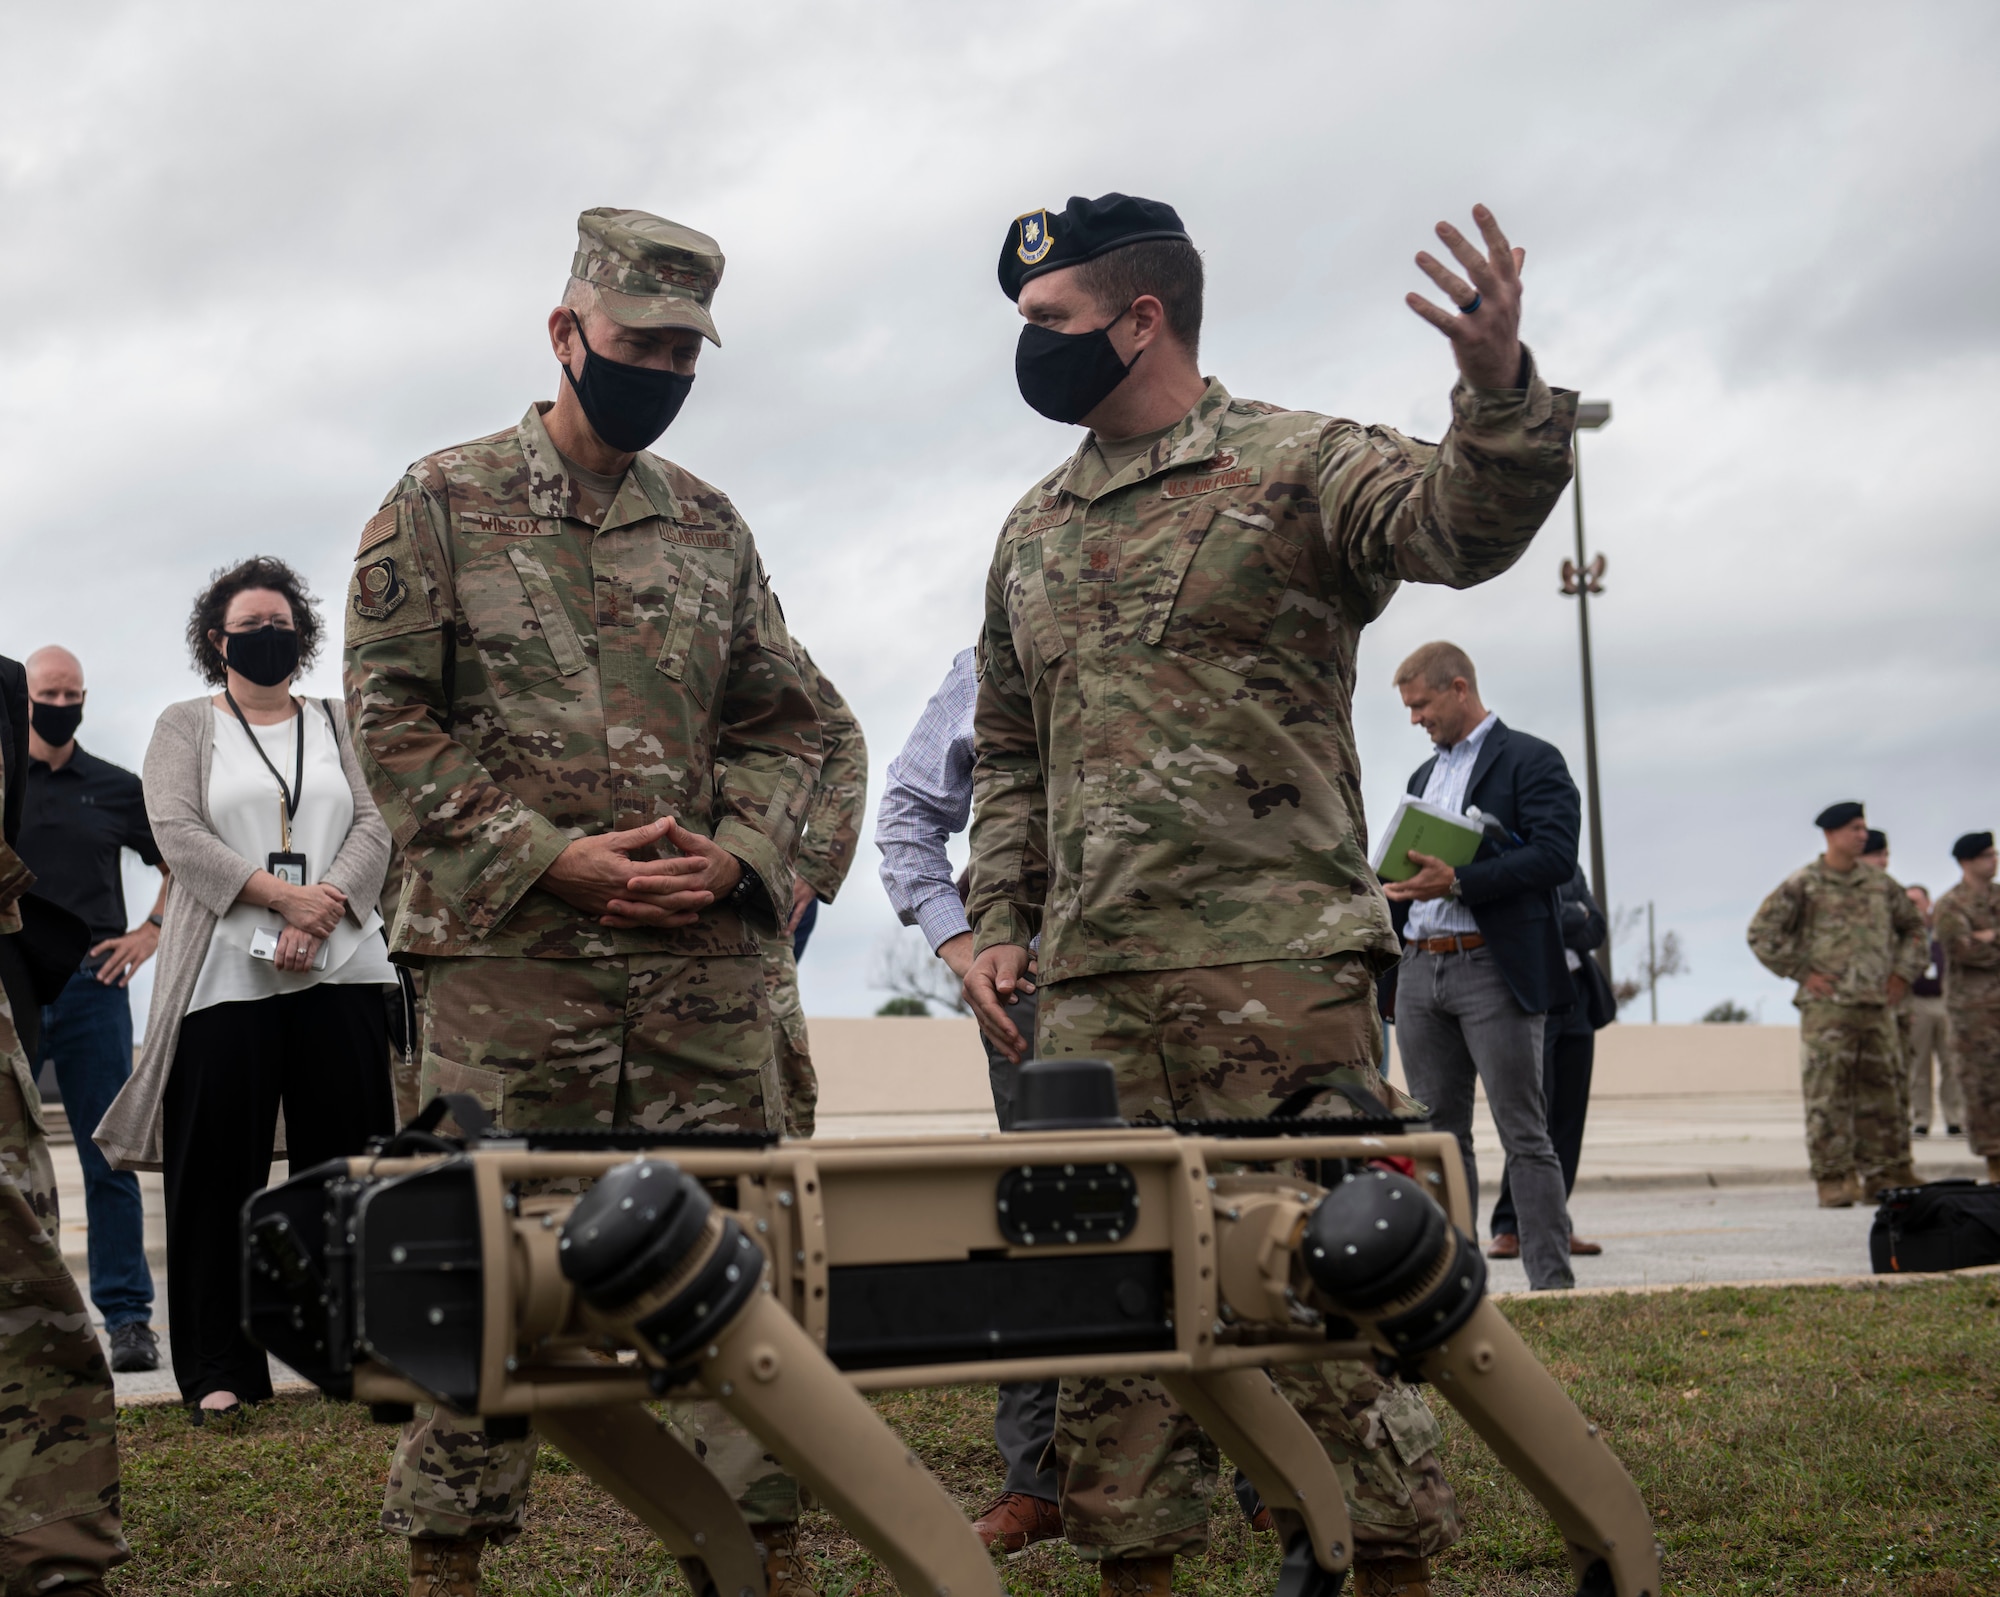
x=1946, y=1225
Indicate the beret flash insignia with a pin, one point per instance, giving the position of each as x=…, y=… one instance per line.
x=1035, y=241
x=378, y=590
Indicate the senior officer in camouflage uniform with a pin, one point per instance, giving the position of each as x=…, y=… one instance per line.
x=1171, y=624
x=1853, y=941
x=1968, y=928
x=556, y=644
x=831, y=833
x=59, y=1525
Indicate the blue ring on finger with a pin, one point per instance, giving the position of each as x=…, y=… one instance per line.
x=1472, y=304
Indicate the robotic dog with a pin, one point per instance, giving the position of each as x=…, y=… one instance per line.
x=785, y=1279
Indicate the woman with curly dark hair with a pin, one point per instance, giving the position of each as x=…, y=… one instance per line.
x=271, y=965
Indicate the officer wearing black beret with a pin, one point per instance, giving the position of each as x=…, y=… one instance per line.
x=1850, y=937
x=1164, y=715
x=1967, y=925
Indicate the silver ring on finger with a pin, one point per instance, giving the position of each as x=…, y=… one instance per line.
x=1472, y=304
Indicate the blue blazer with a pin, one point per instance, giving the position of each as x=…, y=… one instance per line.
x=1525, y=784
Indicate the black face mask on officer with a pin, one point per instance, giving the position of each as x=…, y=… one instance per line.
x=627, y=406
x=265, y=657
x=1066, y=376
x=55, y=724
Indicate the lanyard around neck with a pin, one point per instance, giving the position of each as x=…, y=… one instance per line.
x=290, y=799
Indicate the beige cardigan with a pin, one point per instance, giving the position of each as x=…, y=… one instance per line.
x=207, y=877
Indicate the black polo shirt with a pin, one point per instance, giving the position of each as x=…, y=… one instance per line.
x=78, y=818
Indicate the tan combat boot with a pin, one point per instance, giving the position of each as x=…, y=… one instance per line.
x=1993, y=1169
x=1901, y=1175
x=785, y=1572
x=1392, y=1577
x=445, y=1566
x=1837, y=1194
x=1135, y=1577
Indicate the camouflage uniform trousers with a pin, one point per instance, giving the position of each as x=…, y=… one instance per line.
x=661, y=1041
x=1232, y=1041
x=1973, y=1046
x=59, y=1523
x=1920, y=1030
x=1857, y=1122
x=797, y=1081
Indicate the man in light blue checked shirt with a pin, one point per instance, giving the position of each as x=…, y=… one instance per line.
x=926, y=800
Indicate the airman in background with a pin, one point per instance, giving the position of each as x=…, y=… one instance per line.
x=59, y=1519
x=1853, y=941
x=581, y=714
x=1968, y=930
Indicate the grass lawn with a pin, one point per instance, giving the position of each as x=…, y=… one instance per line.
x=1798, y=1440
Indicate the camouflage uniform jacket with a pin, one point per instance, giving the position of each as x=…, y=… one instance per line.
x=1168, y=672
x=518, y=679
x=1857, y=927
x=833, y=818
x=1971, y=968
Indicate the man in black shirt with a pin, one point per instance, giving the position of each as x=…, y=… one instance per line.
x=82, y=812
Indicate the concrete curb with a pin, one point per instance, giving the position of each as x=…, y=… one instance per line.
x=1657, y=1180
x=1846, y=1283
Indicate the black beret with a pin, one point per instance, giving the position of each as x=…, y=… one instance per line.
x=1878, y=843
x=1081, y=231
x=1972, y=845
x=1838, y=815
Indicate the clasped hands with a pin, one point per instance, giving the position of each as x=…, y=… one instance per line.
x=310, y=915
x=600, y=876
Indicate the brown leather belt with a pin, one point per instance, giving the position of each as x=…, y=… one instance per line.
x=1452, y=945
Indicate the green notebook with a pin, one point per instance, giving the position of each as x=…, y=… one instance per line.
x=1429, y=829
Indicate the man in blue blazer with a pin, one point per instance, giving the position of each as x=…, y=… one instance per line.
x=1483, y=962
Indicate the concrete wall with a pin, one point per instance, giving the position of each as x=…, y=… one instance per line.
x=907, y=1065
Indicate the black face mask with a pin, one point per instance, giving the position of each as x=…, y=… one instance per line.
x=55, y=724
x=627, y=406
x=1068, y=375
x=265, y=657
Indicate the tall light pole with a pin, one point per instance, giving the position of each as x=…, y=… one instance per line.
x=1580, y=579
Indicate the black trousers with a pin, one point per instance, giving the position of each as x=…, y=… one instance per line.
x=324, y=1055
x=1568, y=1051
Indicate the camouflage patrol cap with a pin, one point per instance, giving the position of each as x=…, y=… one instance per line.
x=648, y=272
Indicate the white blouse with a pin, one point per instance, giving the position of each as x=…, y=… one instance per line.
x=245, y=805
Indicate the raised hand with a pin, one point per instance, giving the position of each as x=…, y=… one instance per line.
x=1484, y=323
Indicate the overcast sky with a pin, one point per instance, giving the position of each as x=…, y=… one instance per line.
x=257, y=258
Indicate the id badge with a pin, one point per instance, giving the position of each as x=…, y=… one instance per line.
x=287, y=868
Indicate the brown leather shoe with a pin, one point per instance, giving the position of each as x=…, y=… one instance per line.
x=1579, y=1248
x=1135, y=1577
x=445, y=1566
x=1507, y=1245
x=1017, y=1521
x=1837, y=1194
x=1392, y=1577
x=785, y=1572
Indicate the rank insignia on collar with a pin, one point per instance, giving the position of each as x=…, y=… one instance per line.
x=378, y=590
x=1035, y=241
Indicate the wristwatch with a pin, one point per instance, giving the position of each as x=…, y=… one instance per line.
x=748, y=897
x=1452, y=891
x=155, y=922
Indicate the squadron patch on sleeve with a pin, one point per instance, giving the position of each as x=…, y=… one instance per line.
x=378, y=590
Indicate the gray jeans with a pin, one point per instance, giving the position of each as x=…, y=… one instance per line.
x=1024, y=1422
x=1457, y=1023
